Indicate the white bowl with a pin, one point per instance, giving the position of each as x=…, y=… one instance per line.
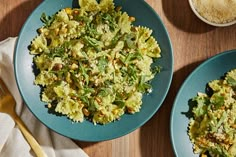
x=209, y=22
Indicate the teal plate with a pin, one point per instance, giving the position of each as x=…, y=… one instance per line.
x=87, y=131
x=211, y=69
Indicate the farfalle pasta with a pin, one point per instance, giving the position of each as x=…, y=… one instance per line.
x=93, y=62
x=212, y=129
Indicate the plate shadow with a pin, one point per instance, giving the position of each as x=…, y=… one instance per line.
x=155, y=134
x=180, y=14
x=11, y=24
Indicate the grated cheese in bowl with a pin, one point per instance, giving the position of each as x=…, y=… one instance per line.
x=215, y=12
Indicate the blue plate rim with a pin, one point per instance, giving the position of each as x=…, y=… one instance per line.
x=223, y=53
x=129, y=131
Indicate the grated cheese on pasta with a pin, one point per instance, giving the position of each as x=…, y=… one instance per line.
x=94, y=64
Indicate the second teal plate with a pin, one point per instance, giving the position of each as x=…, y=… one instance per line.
x=211, y=69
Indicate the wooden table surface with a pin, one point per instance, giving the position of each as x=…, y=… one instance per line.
x=193, y=42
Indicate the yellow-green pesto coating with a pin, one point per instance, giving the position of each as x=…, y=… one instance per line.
x=93, y=63
x=212, y=129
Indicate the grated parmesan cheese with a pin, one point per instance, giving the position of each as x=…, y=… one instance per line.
x=216, y=11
